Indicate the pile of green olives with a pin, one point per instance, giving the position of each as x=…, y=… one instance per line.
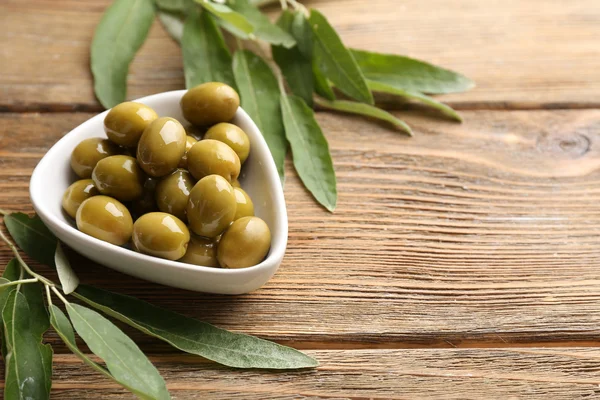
x=159, y=188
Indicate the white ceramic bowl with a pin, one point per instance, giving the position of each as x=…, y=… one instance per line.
x=259, y=178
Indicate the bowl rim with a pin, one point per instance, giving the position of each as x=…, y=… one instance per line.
x=278, y=242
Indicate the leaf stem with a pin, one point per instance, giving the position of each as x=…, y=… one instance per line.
x=4, y=212
x=60, y=296
x=283, y=4
x=22, y=262
x=20, y=281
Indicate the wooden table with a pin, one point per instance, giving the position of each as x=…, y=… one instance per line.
x=461, y=263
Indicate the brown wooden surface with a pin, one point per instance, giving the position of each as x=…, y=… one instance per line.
x=482, y=236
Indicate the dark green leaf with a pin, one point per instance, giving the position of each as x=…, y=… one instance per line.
x=302, y=32
x=120, y=34
x=193, y=336
x=34, y=294
x=66, y=275
x=173, y=24
x=366, y=110
x=230, y=20
x=260, y=94
x=174, y=6
x=206, y=58
x=295, y=66
x=410, y=74
x=122, y=356
x=28, y=362
x=32, y=237
x=410, y=95
x=322, y=86
x=63, y=327
x=11, y=273
x=335, y=61
x=310, y=150
x=264, y=29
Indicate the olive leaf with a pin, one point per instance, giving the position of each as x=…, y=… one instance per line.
x=63, y=327
x=206, y=58
x=11, y=273
x=264, y=29
x=366, y=110
x=230, y=20
x=310, y=150
x=174, y=6
x=122, y=356
x=411, y=95
x=296, y=65
x=32, y=236
x=195, y=337
x=260, y=94
x=173, y=24
x=68, y=279
x=322, y=86
x=407, y=73
x=119, y=35
x=336, y=62
x=28, y=362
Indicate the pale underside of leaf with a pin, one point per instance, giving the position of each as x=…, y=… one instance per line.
x=68, y=279
x=366, y=110
x=172, y=24
x=122, y=356
x=230, y=20
x=411, y=95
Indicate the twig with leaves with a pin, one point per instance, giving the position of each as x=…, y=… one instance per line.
x=27, y=305
x=308, y=53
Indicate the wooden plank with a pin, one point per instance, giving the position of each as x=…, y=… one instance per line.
x=522, y=54
x=365, y=374
x=486, y=232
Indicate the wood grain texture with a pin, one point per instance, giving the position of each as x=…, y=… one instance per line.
x=481, y=232
x=522, y=54
x=366, y=374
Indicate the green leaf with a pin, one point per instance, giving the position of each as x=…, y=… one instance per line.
x=322, y=86
x=68, y=279
x=260, y=94
x=192, y=336
x=32, y=236
x=172, y=24
x=119, y=35
x=410, y=95
x=295, y=66
x=264, y=29
x=28, y=362
x=336, y=62
x=11, y=273
x=63, y=327
x=230, y=20
x=310, y=150
x=174, y=6
x=206, y=58
x=366, y=110
x=122, y=356
x=410, y=74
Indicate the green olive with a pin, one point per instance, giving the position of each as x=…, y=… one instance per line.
x=245, y=207
x=210, y=103
x=76, y=194
x=106, y=219
x=208, y=157
x=201, y=251
x=119, y=177
x=233, y=136
x=161, y=147
x=146, y=203
x=87, y=154
x=244, y=244
x=125, y=122
x=236, y=184
x=173, y=192
x=161, y=235
x=211, y=206
x=189, y=142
